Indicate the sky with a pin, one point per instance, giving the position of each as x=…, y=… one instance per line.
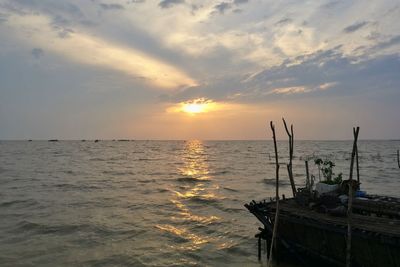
x=192, y=69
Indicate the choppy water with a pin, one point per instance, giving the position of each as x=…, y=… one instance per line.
x=153, y=203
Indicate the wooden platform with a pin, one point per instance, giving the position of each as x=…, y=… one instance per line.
x=376, y=239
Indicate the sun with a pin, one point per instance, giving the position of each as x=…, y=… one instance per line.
x=200, y=105
x=194, y=108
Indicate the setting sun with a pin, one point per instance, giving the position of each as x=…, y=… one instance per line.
x=194, y=107
x=200, y=105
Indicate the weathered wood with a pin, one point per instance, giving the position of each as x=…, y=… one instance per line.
x=357, y=166
x=290, y=165
x=275, y=229
x=320, y=235
x=308, y=182
x=350, y=201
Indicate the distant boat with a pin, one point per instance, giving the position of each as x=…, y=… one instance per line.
x=53, y=140
x=96, y=140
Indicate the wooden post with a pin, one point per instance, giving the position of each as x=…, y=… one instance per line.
x=398, y=158
x=350, y=201
x=357, y=167
x=289, y=166
x=308, y=183
x=274, y=231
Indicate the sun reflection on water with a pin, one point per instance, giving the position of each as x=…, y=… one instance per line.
x=198, y=188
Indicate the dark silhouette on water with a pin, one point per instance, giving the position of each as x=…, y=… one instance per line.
x=53, y=140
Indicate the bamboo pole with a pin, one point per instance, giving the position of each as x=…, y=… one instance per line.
x=350, y=201
x=290, y=165
x=274, y=231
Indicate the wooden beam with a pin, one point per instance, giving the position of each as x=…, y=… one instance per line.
x=274, y=232
x=350, y=201
x=290, y=165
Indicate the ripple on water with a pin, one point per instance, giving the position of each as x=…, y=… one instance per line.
x=193, y=179
x=19, y=203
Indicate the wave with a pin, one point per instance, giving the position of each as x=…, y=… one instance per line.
x=115, y=260
x=69, y=229
x=192, y=179
x=76, y=187
x=204, y=199
x=230, y=189
x=26, y=203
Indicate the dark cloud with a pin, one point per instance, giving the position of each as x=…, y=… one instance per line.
x=65, y=33
x=222, y=7
x=3, y=18
x=238, y=2
x=194, y=8
x=354, y=27
x=346, y=75
x=385, y=44
x=170, y=3
x=111, y=6
x=331, y=4
x=37, y=53
x=283, y=21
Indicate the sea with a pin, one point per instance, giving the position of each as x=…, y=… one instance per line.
x=156, y=203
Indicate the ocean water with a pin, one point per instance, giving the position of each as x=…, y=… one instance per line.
x=155, y=203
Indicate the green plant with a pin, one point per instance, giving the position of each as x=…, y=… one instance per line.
x=326, y=167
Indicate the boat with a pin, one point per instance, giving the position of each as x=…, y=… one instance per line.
x=316, y=234
x=333, y=223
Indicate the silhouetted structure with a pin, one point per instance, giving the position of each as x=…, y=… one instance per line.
x=341, y=226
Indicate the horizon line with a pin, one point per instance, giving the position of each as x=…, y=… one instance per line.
x=191, y=139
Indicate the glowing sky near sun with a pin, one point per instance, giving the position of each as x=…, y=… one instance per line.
x=166, y=69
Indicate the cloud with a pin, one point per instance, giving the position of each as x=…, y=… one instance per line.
x=37, y=53
x=238, y=2
x=283, y=21
x=302, y=89
x=354, y=27
x=3, y=18
x=111, y=6
x=386, y=44
x=290, y=90
x=325, y=70
x=222, y=7
x=170, y=3
x=86, y=49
